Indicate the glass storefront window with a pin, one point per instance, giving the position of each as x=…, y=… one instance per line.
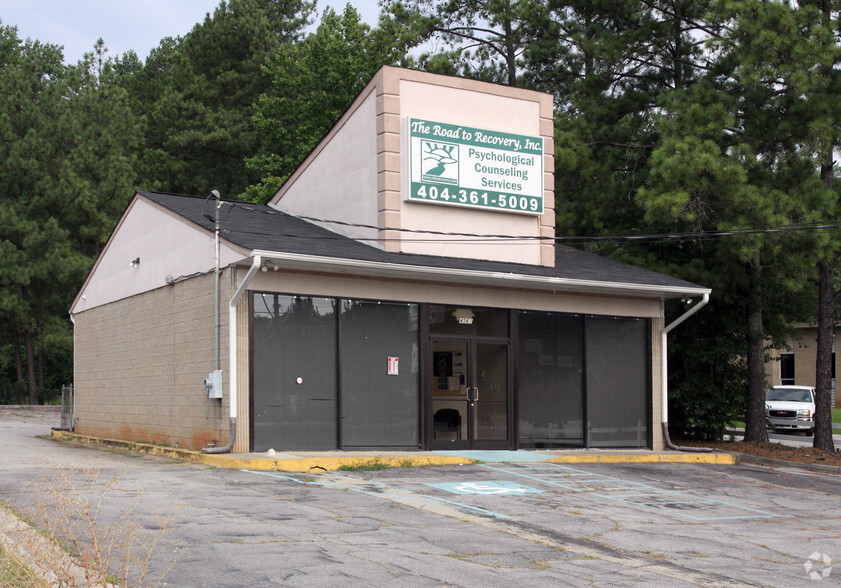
x=379, y=375
x=332, y=373
x=294, y=373
x=568, y=362
x=301, y=394
x=550, y=380
x=618, y=388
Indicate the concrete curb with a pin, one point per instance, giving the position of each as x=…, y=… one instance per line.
x=228, y=461
x=45, y=559
x=719, y=457
x=308, y=464
x=783, y=463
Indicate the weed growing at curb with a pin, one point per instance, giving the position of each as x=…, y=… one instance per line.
x=70, y=509
x=406, y=462
x=365, y=465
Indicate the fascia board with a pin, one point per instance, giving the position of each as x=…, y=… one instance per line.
x=475, y=277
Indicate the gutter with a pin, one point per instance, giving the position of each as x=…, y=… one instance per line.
x=256, y=262
x=664, y=384
x=504, y=279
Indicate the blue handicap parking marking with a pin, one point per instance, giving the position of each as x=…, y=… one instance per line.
x=681, y=503
x=495, y=488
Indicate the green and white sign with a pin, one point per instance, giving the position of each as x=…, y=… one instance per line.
x=478, y=168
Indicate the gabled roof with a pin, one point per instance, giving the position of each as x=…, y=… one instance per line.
x=274, y=234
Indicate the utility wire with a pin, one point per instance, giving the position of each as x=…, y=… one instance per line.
x=496, y=238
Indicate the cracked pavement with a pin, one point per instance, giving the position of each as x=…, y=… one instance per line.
x=477, y=525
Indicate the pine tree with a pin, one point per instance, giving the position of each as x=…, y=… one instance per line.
x=312, y=83
x=198, y=91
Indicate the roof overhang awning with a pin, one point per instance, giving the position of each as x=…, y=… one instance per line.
x=377, y=269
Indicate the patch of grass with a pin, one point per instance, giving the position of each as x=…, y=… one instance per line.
x=365, y=465
x=14, y=573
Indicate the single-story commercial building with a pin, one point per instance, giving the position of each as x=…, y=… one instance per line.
x=402, y=290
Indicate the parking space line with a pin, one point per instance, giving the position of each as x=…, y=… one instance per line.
x=673, y=499
x=399, y=495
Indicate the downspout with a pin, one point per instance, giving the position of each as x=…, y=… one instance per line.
x=73, y=383
x=256, y=262
x=665, y=376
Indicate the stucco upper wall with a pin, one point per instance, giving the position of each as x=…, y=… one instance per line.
x=341, y=182
x=512, y=112
x=358, y=172
x=165, y=245
x=477, y=108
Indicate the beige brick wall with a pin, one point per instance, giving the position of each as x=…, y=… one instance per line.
x=140, y=364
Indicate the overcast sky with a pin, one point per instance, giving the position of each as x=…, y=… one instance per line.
x=123, y=24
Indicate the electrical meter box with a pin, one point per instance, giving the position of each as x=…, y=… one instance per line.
x=213, y=384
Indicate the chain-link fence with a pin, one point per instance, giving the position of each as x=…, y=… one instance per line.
x=67, y=406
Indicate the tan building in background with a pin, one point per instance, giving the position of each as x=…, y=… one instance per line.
x=796, y=364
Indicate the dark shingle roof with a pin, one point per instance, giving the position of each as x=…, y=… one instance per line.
x=262, y=228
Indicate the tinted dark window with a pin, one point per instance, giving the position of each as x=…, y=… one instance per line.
x=380, y=402
x=787, y=368
x=617, y=382
x=294, y=373
x=550, y=380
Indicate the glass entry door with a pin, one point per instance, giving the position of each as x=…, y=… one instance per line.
x=470, y=394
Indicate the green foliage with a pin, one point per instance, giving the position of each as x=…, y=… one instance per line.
x=67, y=171
x=481, y=39
x=706, y=372
x=731, y=154
x=198, y=91
x=312, y=83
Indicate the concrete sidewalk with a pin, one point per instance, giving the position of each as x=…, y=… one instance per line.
x=333, y=460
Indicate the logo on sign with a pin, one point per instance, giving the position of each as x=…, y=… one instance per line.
x=440, y=162
x=393, y=369
x=477, y=168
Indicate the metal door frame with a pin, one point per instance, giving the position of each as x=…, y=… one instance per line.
x=468, y=441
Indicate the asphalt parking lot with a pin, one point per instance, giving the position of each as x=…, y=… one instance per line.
x=492, y=524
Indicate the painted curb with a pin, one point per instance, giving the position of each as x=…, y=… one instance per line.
x=303, y=464
x=721, y=458
x=309, y=464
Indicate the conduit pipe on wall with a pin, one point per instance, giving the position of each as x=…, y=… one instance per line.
x=665, y=375
x=256, y=262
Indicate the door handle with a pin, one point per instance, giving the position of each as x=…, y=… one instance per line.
x=472, y=394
